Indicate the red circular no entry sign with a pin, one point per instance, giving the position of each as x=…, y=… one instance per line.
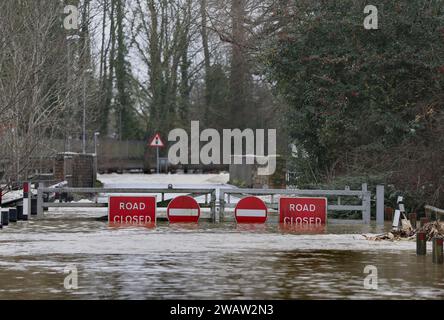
x=183, y=209
x=251, y=210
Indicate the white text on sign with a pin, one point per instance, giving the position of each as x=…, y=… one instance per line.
x=132, y=210
x=302, y=207
x=303, y=211
x=132, y=206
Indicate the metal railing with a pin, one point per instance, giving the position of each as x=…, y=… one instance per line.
x=430, y=209
x=363, y=195
x=209, y=193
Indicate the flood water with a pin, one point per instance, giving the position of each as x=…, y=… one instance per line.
x=208, y=261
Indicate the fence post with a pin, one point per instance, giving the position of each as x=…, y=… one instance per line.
x=366, y=202
x=421, y=243
x=27, y=193
x=221, y=204
x=214, y=215
x=437, y=250
x=39, y=202
x=380, y=204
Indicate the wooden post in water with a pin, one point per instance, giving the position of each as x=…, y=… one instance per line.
x=437, y=250
x=421, y=243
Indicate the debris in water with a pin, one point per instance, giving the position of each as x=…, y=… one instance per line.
x=432, y=229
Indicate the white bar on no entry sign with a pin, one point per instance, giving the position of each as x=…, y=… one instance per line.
x=250, y=213
x=184, y=212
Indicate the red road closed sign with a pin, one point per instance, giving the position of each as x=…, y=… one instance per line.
x=303, y=211
x=132, y=210
x=251, y=210
x=183, y=209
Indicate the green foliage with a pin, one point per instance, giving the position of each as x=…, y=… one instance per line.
x=353, y=93
x=98, y=184
x=238, y=183
x=127, y=123
x=217, y=91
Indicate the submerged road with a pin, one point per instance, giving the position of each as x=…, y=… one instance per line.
x=204, y=261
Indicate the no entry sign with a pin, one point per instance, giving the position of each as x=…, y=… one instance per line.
x=251, y=210
x=132, y=210
x=303, y=211
x=183, y=209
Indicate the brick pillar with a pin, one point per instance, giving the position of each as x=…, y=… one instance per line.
x=78, y=169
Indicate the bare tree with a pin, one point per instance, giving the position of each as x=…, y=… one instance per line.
x=164, y=39
x=35, y=88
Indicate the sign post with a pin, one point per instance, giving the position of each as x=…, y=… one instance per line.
x=156, y=142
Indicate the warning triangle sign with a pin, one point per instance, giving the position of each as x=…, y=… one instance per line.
x=156, y=142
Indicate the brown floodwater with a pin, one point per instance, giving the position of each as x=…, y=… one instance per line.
x=208, y=261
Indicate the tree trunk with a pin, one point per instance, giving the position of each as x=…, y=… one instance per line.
x=239, y=68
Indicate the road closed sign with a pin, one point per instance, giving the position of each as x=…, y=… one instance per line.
x=139, y=210
x=303, y=211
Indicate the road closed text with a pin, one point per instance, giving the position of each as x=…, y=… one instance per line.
x=132, y=219
x=302, y=211
x=132, y=210
x=302, y=220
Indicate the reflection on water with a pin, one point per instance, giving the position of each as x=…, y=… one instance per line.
x=207, y=262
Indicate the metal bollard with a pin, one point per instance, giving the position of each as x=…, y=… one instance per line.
x=412, y=218
x=423, y=221
x=19, y=212
x=13, y=215
x=26, y=200
x=33, y=206
x=5, y=217
x=421, y=243
x=1, y=200
x=437, y=250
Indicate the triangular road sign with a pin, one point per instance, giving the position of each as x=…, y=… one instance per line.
x=156, y=142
